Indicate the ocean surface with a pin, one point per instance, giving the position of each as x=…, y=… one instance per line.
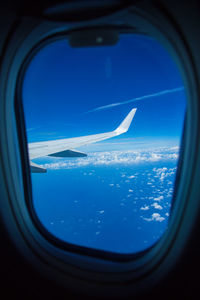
x=117, y=201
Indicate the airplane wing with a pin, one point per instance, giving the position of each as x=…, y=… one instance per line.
x=66, y=147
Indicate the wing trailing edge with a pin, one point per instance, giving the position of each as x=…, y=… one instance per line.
x=36, y=168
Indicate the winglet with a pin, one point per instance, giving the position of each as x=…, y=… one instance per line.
x=124, y=126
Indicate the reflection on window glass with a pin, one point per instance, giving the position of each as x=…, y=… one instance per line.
x=109, y=191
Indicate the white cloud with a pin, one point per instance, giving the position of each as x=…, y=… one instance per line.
x=163, y=173
x=146, y=207
x=157, y=217
x=121, y=158
x=157, y=206
x=158, y=198
x=149, y=183
x=154, y=217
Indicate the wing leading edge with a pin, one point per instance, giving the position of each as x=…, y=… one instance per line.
x=66, y=147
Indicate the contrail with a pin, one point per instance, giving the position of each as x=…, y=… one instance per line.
x=175, y=90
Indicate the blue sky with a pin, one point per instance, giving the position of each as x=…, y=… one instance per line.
x=70, y=92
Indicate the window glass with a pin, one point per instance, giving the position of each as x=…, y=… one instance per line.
x=113, y=194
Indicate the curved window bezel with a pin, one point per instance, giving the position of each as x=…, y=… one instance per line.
x=43, y=248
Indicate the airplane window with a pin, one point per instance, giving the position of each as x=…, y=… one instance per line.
x=104, y=127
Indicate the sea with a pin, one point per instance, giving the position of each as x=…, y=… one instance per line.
x=116, y=201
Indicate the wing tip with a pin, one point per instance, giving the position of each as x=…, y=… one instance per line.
x=125, y=124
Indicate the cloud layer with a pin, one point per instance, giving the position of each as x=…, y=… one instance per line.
x=118, y=157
